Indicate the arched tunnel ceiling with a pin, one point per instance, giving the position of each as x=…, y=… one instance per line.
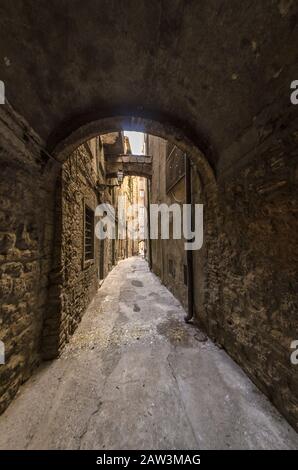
x=212, y=67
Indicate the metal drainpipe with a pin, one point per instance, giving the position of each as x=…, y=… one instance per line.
x=189, y=256
x=148, y=224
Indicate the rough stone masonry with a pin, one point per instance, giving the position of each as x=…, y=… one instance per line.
x=215, y=80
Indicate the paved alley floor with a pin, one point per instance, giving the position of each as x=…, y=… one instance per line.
x=134, y=375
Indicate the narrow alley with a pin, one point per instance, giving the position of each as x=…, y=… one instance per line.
x=135, y=375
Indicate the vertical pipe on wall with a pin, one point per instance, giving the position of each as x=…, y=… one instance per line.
x=148, y=224
x=189, y=254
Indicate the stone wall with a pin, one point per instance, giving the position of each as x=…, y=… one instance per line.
x=250, y=268
x=79, y=277
x=245, y=275
x=45, y=286
x=26, y=235
x=74, y=281
x=257, y=320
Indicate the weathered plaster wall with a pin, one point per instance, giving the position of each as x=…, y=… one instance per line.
x=168, y=256
x=207, y=66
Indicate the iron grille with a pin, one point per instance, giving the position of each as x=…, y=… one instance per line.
x=89, y=233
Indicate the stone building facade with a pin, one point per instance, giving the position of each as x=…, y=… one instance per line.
x=245, y=292
x=86, y=260
x=168, y=257
x=44, y=294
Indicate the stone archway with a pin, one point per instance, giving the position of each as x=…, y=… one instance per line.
x=135, y=123
x=52, y=343
x=218, y=84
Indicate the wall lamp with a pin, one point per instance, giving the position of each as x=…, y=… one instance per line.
x=103, y=186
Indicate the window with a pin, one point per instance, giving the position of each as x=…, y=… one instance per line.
x=142, y=192
x=175, y=166
x=89, y=234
